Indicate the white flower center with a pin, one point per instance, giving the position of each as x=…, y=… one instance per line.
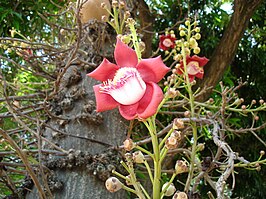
x=126, y=88
x=167, y=42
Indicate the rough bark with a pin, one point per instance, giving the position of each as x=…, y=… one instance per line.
x=87, y=135
x=227, y=47
x=146, y=22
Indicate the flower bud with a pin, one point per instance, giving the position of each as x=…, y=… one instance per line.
x=261, y=101
x=181, y=166
x=256, y=118
x=127, y=14
x=187, y=22
x=177, y=135
x=170, y=190
x=115, y=3
x=262, y=153
x=197, y=36
x=197, y=29
x=182, y=33
x=121, y=4
x=104, y=18
x=172, y=92
x=243, y=107
x=128, y=144
x=171, y=143
x=200, y=146
x=196, y=50
x=253, y=102
x=126, y=39
x=112, y=184
x=103, y=5
x=187, y=114
x=180, y=195
x=138, y=157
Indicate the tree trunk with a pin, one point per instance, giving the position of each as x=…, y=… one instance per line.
x=227, y=47
x=87, y=135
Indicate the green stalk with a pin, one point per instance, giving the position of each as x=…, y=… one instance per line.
x=156, y=160
x=193, y=124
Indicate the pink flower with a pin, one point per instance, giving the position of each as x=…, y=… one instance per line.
x=129, y=85
x=167, y=42
x=194, y=67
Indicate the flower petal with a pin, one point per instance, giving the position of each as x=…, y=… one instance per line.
x=149, y=103
x=152, y=69
x=129, y=112
x=104, y=101
x=106, y=70
x=124, y=55
x=202, y=60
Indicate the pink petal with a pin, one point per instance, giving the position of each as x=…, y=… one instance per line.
x=200, y=74
x=152, y=69
x=124, y=55
x=129, y=112
x=202, y=60
x=106, y=70
x=150, y=101
x=104, y=101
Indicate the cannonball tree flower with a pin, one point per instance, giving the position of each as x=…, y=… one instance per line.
x=194, y=67
x=167, y=42
x=130, y=85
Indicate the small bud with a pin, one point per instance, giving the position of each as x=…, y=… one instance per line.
x=182, y=33
x=126, y=39
x=104, y=18
x=181, y=166
x=103, y=5
x=187, y=22
x=115, y=3
x=121, y=4
x=127, y=14
x=112, y=184
x=243, y=107
x=128, y=144
x=197, y=29
x=256, y=118
x=258, y=168
x=62, y=31
x=171, y=143
x=201, y=147
x=253, y=102
x=177, y=135
x=196, y=50
x=242, y=100
x=197, y=36
x=187, y=114
x=170, y=190
x=187, y=51
x=138, y=157
x=262, y=153
x=178, y=124
x=261, y=102
x=131, y=21
x=172, y=93
x=180, y=195
x=128, y=180
x=192, y=41
x=211, y=100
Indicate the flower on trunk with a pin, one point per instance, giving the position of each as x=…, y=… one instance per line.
x=167, y=42
x=130, y=85
x=194, y=67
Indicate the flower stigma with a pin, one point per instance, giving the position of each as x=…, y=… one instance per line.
x=193, y=68
x=127, y=86
x=167, y=42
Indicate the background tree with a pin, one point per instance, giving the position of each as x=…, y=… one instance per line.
x=46, y=80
